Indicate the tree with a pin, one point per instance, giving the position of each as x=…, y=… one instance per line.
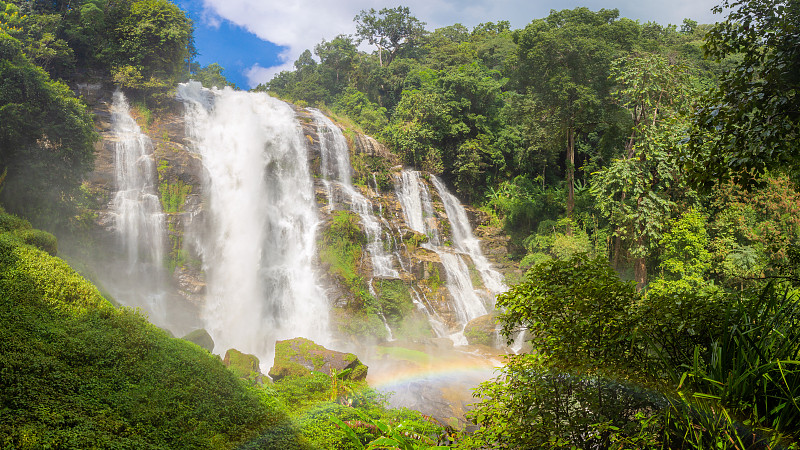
x=751, y=123
x=337, y=56
x=155, y=45
x=639, y=192
x=210, y=76
x=46, y=135
x=390, y=30
x=564, y=61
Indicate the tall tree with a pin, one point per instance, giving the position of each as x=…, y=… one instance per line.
x=638, y=193
x=337, y=57
x=390, y=30
x=563, y=62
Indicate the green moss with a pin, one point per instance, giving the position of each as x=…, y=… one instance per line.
x=201, y=338
x=474, y=275
x=241, y=364
x=340, y=249
x=173, y=196
x=476, y=336
x=434, y=280
x=394, y=300
x=406, y=354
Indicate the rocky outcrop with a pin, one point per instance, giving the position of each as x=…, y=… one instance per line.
x=201, y=338
x=299, y=357
x=482, y=331
x=243, y=365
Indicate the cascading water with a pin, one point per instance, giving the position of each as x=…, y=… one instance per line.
x=335, y=165
x=465, y=241
x=418, y=212
x=258, y=243
x=139, y=221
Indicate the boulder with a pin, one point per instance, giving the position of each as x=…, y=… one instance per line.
x=201, y=338
x=482, y=331
x=300, y=356
x=242, y=364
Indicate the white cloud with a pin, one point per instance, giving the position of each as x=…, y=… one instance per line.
x=301, y=24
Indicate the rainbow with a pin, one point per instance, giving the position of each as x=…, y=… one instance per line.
x=386, y=378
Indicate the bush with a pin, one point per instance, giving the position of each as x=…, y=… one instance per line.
x=39, y=239
x=79, y=373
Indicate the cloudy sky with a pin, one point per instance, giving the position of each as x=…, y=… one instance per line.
x=254, y=39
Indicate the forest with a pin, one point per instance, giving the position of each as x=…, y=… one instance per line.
x=647, y=177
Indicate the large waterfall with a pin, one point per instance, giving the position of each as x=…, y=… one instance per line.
x=138, y=219
x=258, y=239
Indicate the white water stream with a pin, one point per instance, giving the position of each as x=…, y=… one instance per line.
x=138, y=219
x=258, y=243
x=468, y=301
x=335, y=167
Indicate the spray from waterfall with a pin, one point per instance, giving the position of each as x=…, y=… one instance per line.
x=257, y=242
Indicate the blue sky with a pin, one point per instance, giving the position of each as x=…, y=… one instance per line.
x=254, y=39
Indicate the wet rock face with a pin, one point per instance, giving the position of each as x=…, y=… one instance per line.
x=482, y=331
x=300, y=356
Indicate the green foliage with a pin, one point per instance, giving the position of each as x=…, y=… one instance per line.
x=210, y=76
x=341, y=250
x=578, y=313
x=39, y=239
x=749, y=122
x=394, y=299
x=403, y=435
x=155, y=39
x=173, y=196
x=532, y=405
x=391, y=30
x=46, y=137
x=753, y=367
x=79, y=373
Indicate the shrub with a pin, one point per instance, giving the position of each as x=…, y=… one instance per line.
x=39, y=239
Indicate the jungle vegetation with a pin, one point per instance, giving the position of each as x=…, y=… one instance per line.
x=648, y=176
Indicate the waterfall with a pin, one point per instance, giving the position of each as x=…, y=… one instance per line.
x=468, y=303
x=465, y=242
x=335, y=167
x=417, y=205
x=138, y=219
x=257, y=243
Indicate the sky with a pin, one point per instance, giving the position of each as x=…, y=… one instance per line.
x=255, y=39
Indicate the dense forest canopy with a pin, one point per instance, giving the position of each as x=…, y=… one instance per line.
x=647, y=176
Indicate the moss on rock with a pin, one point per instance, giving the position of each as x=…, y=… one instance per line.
x=482, y=330
x=299, y=357
x=241, y=364
x=201, y=338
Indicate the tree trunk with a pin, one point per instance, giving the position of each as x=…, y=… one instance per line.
x=570, y=175
x=616, y=251
x=639, y=266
